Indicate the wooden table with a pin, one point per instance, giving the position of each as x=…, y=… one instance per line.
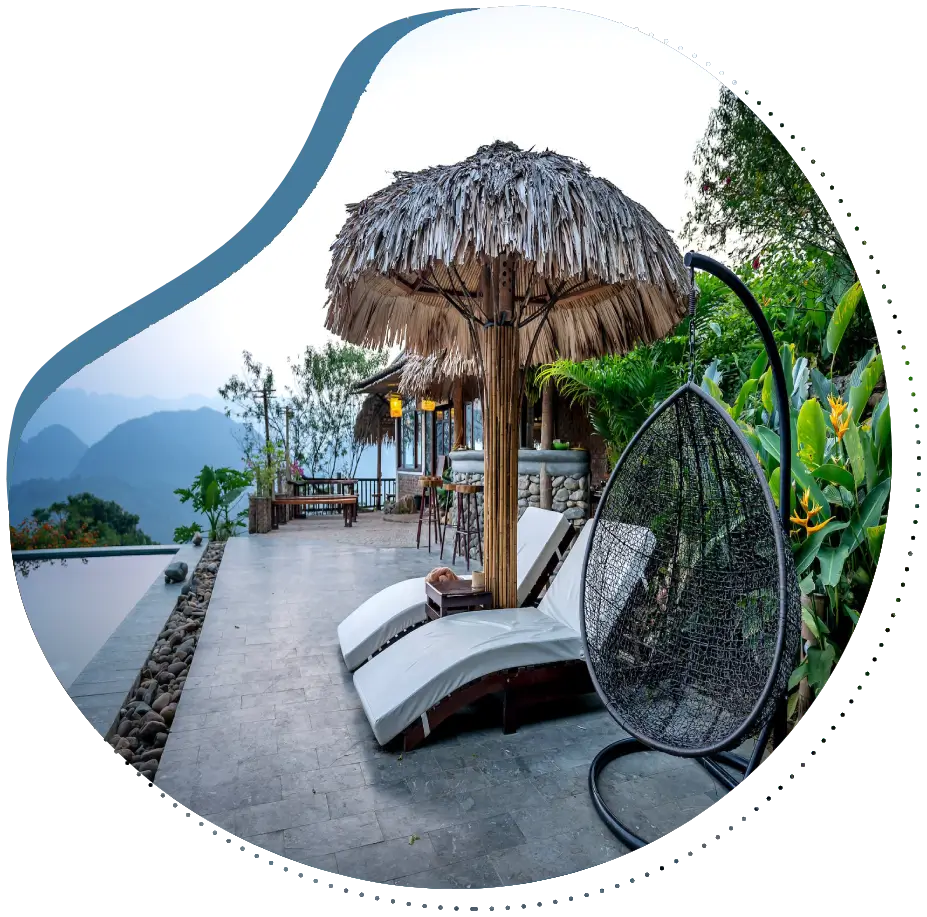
x=453, y=597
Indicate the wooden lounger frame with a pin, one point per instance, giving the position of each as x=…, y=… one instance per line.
x=347, y=502
x=533, y=597
x=521, y=688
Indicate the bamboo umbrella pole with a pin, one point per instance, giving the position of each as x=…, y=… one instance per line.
x=502, y=368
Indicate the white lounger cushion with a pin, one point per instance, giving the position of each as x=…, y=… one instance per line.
x=423, y=668
x=400, y=606
x=430, y=663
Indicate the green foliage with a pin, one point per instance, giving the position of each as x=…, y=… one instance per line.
x=109, y=522
x=841, y=318
x=812, y=433
x=319, y=400
x=214, y=493
x=747, y=187
x=841, y=477
x=618, y=392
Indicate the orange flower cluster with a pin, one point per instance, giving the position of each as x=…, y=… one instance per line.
x=34, y=536
x=811, y=510
x=840, y=423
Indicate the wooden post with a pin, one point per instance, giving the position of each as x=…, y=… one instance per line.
x=288, y=510
x=267, y=431
x=547, y=442
x=460, y=420
x=379, y=464
x=503, y=392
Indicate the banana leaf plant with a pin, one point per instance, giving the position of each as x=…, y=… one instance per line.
x=841, y=479
x=214, y=493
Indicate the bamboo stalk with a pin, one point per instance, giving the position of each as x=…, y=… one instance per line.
x=499, y=345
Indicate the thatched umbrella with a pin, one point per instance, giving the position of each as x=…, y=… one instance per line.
x=510, y=257
x=371, y=426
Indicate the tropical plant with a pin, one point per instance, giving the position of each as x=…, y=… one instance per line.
x=841, y=479
x=619, y=393
x=214, y=493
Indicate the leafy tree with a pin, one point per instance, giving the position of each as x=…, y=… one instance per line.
x=751, y=195
x=245, y=403
x=327, y=405
x=320, y=400
x=751, y=199
x=81, y=515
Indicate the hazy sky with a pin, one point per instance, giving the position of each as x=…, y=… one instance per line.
x=629, y=108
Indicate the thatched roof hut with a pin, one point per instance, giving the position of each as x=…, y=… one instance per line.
x=509, y=258
x=437, y=375
x=373, y=424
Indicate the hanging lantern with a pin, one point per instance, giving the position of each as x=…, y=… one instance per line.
x=395, y=405
x=427, y=404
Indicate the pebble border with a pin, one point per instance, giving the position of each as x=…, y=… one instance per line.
x=142, y=727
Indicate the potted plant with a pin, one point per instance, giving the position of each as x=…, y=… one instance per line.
x=260, y=504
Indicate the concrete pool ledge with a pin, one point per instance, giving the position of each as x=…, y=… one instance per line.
x=102, y=686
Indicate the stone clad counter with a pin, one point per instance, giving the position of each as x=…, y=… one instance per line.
x=568, y=470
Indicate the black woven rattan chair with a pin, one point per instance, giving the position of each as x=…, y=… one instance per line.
x=695, y=658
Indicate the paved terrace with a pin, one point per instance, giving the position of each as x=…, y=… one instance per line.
x=269, y=741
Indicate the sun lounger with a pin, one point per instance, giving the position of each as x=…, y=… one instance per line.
x=543, y=536
x=528, y=654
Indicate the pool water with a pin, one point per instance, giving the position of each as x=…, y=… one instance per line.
x=74, y=606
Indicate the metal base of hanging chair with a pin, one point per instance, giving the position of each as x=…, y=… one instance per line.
x=712, y=764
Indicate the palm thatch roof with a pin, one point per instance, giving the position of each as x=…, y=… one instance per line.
x=407, y=264
x=435, y=376
x=373, y=416
x=383, y=380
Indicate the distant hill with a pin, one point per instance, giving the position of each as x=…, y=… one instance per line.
x=91, y=416
x=52, y=453
x=139, y=464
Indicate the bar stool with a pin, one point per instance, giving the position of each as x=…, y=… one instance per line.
x=468, y=521
x=451, y=488
x=430, y=485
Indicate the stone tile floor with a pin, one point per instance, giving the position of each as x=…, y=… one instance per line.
x=270, y=743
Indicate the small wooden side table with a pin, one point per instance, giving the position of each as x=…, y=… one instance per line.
x=454, y=597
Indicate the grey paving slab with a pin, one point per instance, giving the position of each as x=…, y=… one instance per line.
x=270, y=741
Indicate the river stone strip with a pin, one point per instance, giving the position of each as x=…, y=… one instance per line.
x=148, y=710
x=100, y=690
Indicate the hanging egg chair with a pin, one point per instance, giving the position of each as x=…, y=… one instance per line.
x=692, y=657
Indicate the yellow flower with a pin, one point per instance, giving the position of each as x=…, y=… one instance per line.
x=842, y=426
x=840, y=423
x=811, y=509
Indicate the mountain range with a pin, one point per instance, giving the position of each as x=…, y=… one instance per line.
x=90, y=416
x=138, y=460
x=138, y=464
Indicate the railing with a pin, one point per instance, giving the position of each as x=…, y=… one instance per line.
x=366, y=490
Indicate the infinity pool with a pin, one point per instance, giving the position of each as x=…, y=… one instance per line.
x=74, y=606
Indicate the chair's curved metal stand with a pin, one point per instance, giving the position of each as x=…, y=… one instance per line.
x=777, y=725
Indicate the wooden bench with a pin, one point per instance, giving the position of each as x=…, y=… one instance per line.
x=347, y=502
